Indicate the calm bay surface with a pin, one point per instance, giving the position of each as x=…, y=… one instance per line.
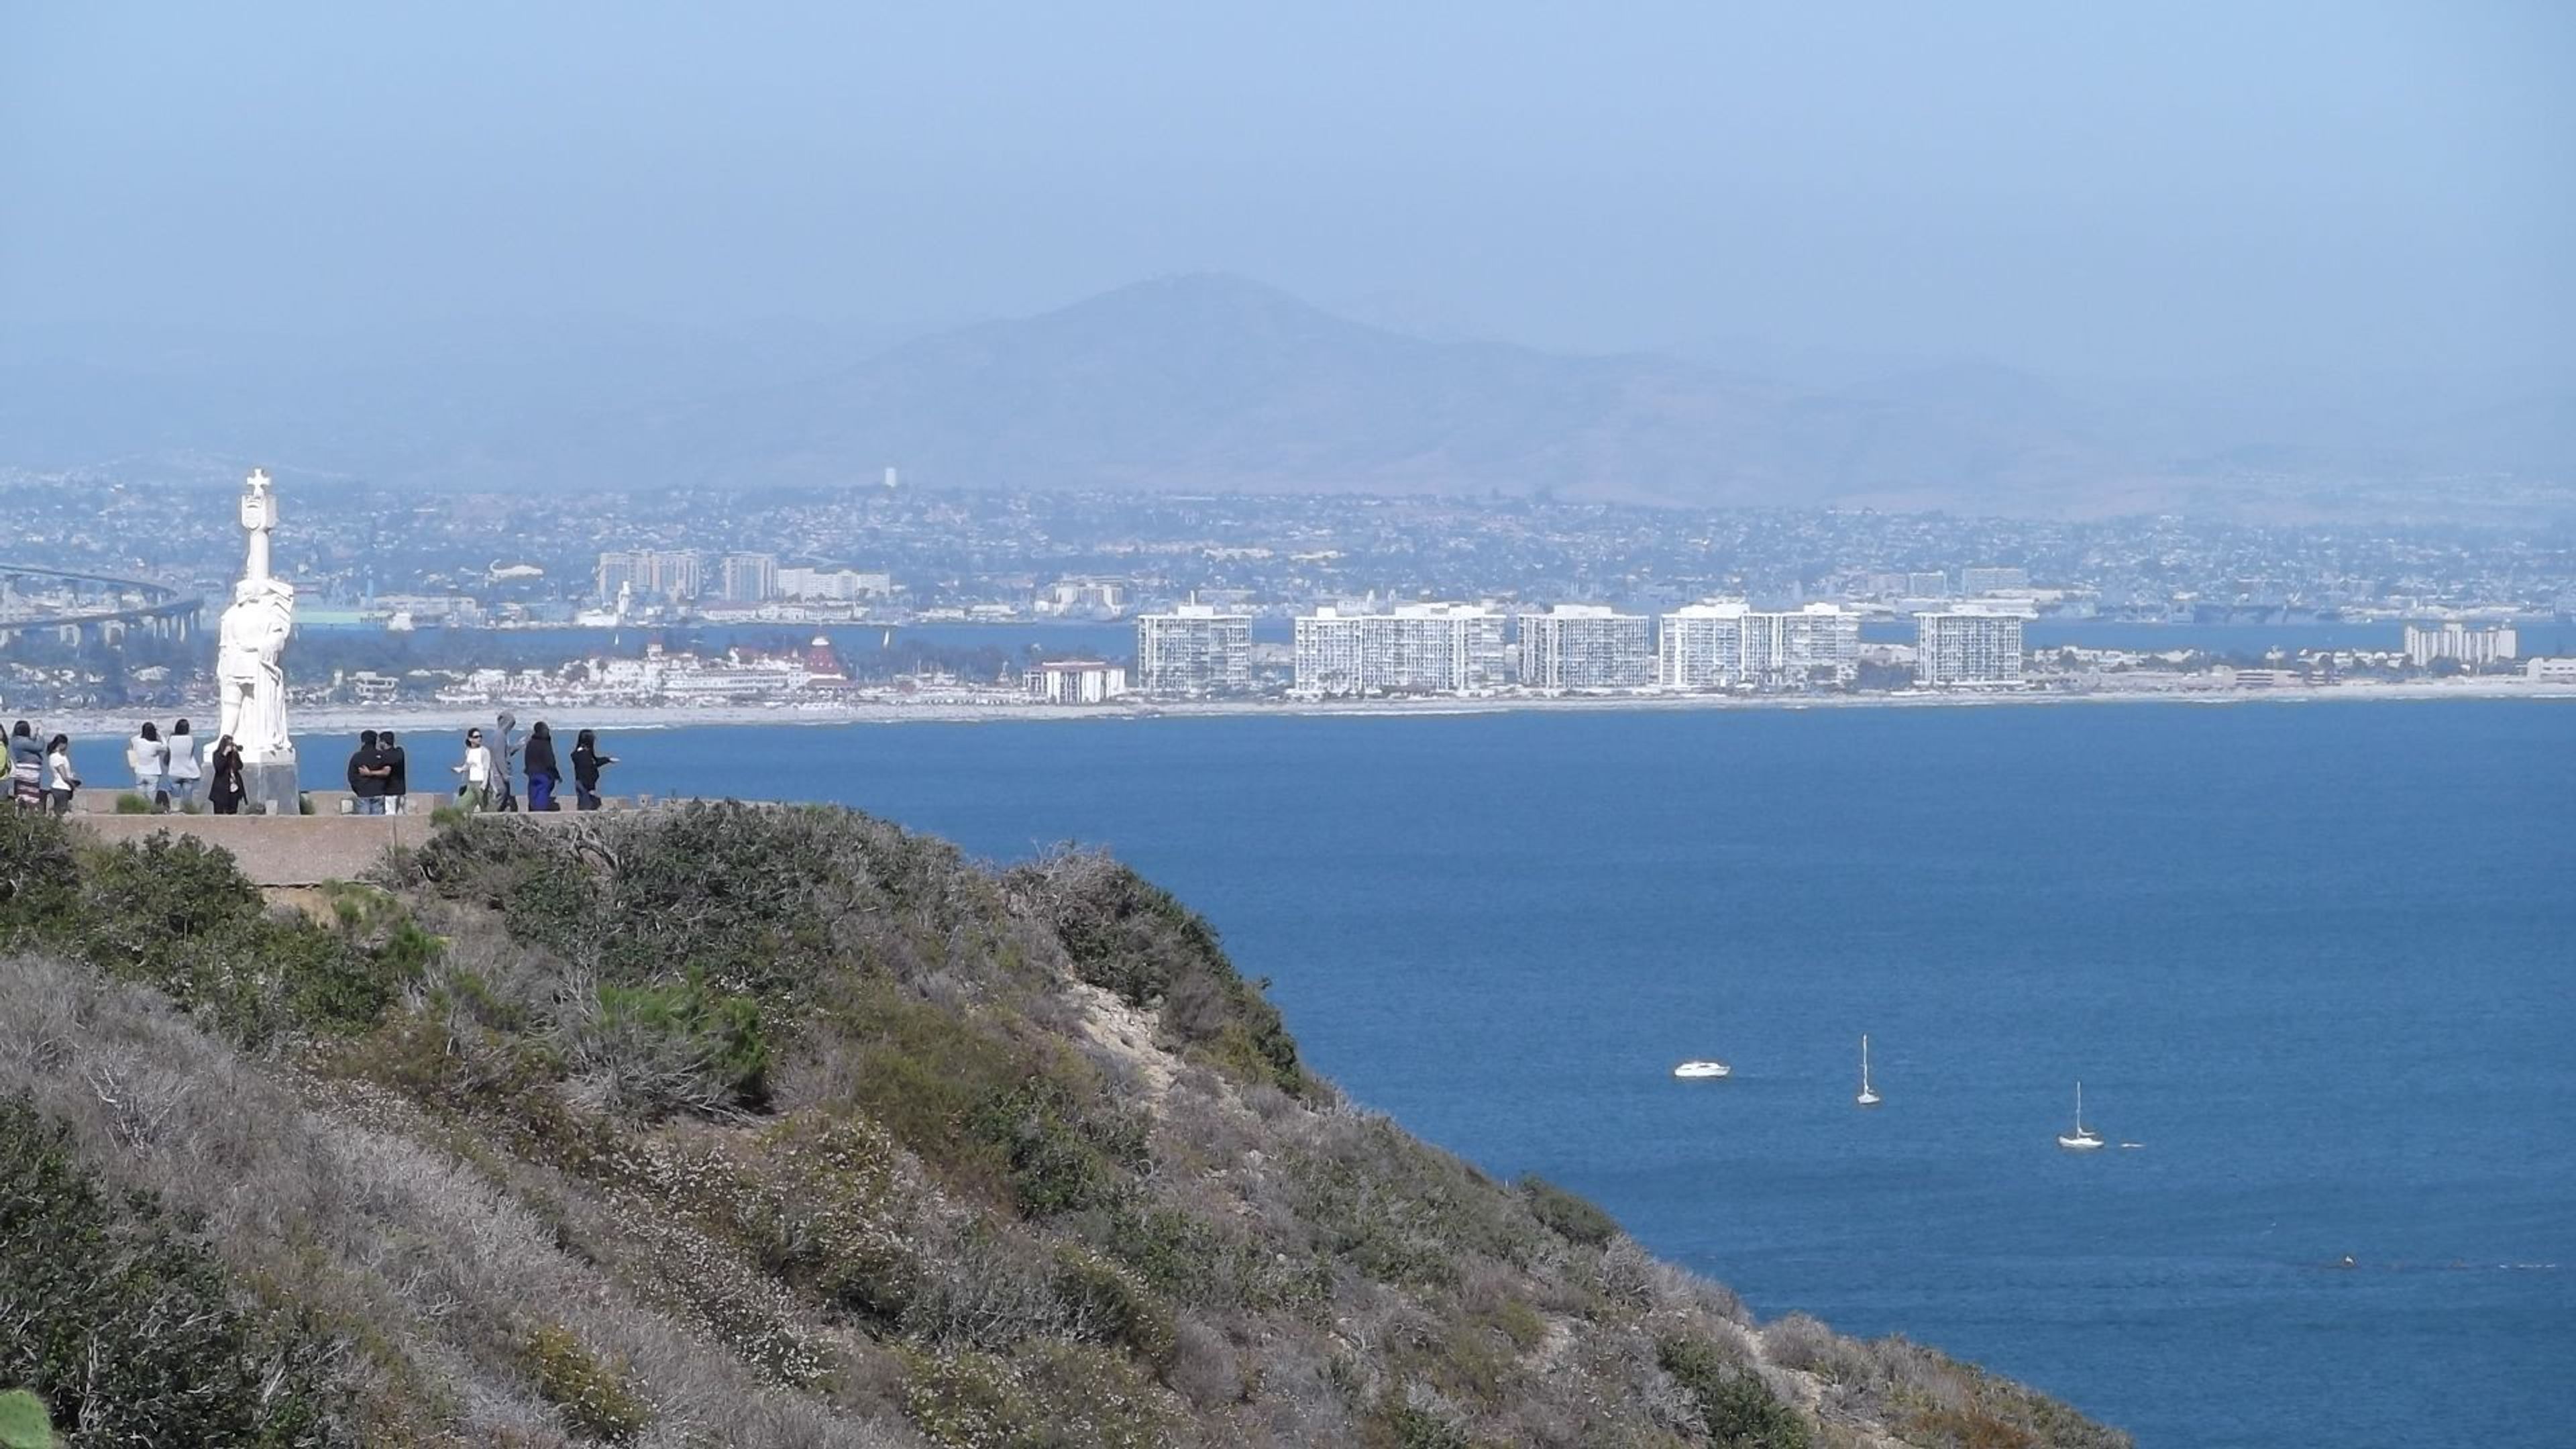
x=2316, y=959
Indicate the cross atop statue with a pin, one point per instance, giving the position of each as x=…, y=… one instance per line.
x=258, y=518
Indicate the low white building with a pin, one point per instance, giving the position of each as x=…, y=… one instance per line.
x=837, y=585
x=1077, y=681
x=1084, y=594
x=2550, y=671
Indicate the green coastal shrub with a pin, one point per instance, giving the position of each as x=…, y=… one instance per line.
x=1048, y=1394
x=1062, y=1153
x=23, y=1421
x=1737, y=1408
x=1107, y=1304
x=680, y=1047
x=593, y=1396
x=39, y=877
x=178, y=915
x=1573, y=1218
x=123, y=1326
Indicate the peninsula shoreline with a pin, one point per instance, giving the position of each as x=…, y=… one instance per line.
x=430, y=718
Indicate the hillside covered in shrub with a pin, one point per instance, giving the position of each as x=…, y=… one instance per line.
x=740, y=1126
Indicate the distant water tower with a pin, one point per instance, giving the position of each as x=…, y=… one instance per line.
x=889, y=478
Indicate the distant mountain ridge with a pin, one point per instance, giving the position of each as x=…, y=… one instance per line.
x=1210, y=382
x=1215, y=383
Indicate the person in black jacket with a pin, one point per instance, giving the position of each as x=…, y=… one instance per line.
x=367, y=774
x=587, y=762
x=224, y=767
x=543, y=772
x=397, y=771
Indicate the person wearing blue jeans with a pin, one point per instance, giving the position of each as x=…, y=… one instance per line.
x=367, y=775
x=151, y=760
x=543, y=772
x=179, y=751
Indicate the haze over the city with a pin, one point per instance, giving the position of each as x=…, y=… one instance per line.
x=2067, y=256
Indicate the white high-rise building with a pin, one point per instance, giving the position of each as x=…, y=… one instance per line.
x=1968, y=646
x=1585, y=646
x=668, y=574
x=2472, y=645
x=1194, y=649
x=619, y=575
x=1726, y=644
x=749, y=578
x=1993, y=580
x=1413, y=648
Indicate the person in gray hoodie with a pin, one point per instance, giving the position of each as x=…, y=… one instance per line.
x=505, y=762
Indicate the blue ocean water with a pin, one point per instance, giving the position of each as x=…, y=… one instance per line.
x=2318, y=959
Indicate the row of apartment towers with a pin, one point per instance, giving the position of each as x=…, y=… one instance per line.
x=739, y=578
x=1464, y=649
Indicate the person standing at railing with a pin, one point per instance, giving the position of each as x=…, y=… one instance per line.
x=476, y=767
x=587, y=762
x=543, y=772
x=60, y=779
x=26, y=768
x=225, y=794
x=397, y=771
x=184, y=771
x=150, y=760
x=367, y=775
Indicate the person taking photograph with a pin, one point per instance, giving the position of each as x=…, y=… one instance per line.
x=225, y=767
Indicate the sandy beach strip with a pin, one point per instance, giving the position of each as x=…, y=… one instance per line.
x=444, y=718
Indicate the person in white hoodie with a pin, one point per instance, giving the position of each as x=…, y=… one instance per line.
x=151, y=761
x=184, y=770
x=477, y=770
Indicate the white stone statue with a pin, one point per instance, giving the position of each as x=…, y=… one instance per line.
x=250, y=661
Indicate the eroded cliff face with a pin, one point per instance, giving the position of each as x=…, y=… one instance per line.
x=742, y=1126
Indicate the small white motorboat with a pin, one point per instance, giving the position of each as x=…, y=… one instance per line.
x=1868, y=1096
x=2085, y=1138
x=1702, y=1069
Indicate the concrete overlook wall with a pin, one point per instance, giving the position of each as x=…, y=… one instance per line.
x=278, y=851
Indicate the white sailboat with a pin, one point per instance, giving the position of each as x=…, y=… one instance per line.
x=1868, y=1097
x=2085, y=1138
x=1694, y=1069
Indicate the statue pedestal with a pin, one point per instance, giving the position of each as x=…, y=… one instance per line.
x=269, y=788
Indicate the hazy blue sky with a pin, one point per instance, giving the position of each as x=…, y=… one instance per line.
x=2110, y=188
